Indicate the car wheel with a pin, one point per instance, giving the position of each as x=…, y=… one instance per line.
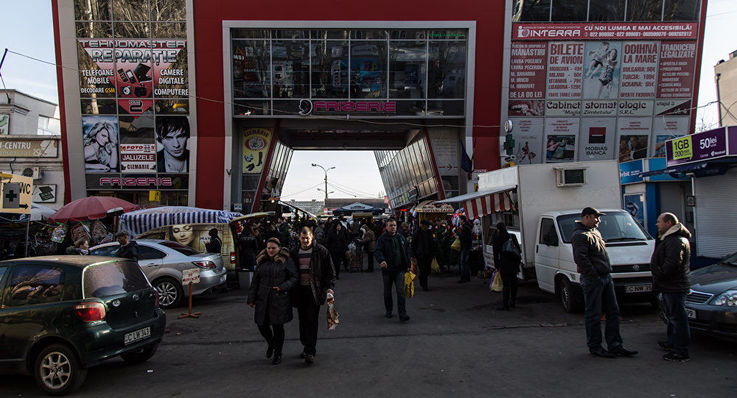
x=170, y=292
x=142, y=354
x=57, y=370
x=568, y=297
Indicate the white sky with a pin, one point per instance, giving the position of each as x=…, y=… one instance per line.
x=27, y=28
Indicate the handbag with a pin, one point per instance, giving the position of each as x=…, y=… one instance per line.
x=409, y=284
x=496, y=284
x=456, y=245
x=435, y=267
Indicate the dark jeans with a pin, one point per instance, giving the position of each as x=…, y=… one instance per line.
x=308, y=313
x=424, y=265
x=370, y=261
x=599, y=297
x=465, y=267
x=509, y=295
x=679, y=334
x=395, y=278
x=338, y=259
x=274, y=335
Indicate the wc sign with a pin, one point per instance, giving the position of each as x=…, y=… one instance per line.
x=16, y=194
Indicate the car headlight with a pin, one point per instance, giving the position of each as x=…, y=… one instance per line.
x=728, y=298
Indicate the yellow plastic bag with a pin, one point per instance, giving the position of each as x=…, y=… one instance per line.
x=456, y=245
x=435, y=267
x=409, y=284
x=497, y=285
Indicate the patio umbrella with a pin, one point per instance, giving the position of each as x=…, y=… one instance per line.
x=91, y=208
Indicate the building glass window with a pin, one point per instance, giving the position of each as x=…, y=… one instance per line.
x=644, y=10
x=290, y=63
x=168, y=10
x=447, y=69
x=681, y=10
x=531, y=10
x=132, y=30
x=407, y=60
x=92, y=10
x=606, y=10
x=94, y=29
x=368, y=69
x=130, y=10
x=569, y=10
x=329, y=69
x=251, y=77
x=48, y=126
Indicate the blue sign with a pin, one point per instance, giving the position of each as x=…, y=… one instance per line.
x=659, y=164
x=635, y=205
x=629, y=172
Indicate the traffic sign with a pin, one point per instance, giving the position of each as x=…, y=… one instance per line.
x=190, y=276
x=16, y=193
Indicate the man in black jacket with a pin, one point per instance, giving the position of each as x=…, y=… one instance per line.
x=422, y=250
x=592, y=261
x=128, y=248
x=392, y=253
x=466, y=238
x=670, y=264
x=316, y=280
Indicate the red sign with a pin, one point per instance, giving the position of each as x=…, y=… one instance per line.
x=607, y=31
x=565, y=70
x=527, y=70
x=675, y=75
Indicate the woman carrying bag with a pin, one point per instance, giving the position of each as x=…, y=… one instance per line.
x=508, y=250
x=269, y=294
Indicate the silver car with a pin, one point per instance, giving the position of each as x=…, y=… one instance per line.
x=163, y=262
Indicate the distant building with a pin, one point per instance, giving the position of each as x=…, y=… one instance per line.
x=313, y=206
x=333, y=204
x=726, y=80
x=30, y=144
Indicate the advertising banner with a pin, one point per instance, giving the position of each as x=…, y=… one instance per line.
x=560, y=139
x=707, y=145
x=605, y=31
x=599, y=108
x=45, y=193
x=634, y=135
x=527, y=70
x=675, y=76
x=138, y=158
x=528, y=138
x=28, y=148
x=667, y=128
x=526, y=108
x=565, y=70
x=256, y=142
x=597, y=138
x=635, y=108
x=172, y=136
x=563, y=108
x=672, y=107
x=639, y=70
x=635, y=205
x=603, y=60
x=629, y=172
x=100, y=143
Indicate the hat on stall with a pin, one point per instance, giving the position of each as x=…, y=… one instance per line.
x=591, y=211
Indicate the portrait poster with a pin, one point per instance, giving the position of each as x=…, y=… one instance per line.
x=256, y=142
x=597, y=138
x=100, y=143
x=172, y=144
x=666, y=128
x=560, y=139
x=565, y=70
x=603, y=60
x=528, y=140
x=633, y=137
x=639, y=70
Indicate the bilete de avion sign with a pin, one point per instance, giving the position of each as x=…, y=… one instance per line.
x=707, y=145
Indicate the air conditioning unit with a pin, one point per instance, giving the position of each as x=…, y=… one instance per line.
x=570, y=177
x=33, y=172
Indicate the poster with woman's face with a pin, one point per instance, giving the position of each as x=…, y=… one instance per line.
x=100, y=143
x=196, y=236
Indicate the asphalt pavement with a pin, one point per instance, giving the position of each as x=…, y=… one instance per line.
x=456, y=344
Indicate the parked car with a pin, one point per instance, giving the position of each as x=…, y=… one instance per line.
x=61, y=315
x=163, y=262
x=711, y=304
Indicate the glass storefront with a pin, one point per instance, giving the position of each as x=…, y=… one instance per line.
x=407, y=174
x=606, y=10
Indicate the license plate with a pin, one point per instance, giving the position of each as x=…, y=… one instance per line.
x=137, y=335
x=639, y=288
x=691, y=313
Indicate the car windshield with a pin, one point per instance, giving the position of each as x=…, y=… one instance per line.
x=113, y=278
x=186, y=250
x=614, y=227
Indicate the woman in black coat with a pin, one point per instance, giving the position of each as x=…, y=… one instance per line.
x=269, y=294
x=507, y=250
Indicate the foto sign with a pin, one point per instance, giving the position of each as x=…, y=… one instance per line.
x=190, y=276
x=16, y=193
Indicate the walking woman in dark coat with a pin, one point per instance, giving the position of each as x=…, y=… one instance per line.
x=269, y=293
x=507, y=249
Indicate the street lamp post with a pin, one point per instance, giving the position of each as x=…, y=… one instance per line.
x=326, y=178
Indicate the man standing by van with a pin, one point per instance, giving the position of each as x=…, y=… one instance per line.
x=669, y=264
x=592, y=261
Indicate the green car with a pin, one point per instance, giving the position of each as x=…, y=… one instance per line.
x=60, y=315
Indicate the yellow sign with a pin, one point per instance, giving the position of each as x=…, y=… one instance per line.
x=682, y=148
x=154, y=196
x=256, y=144
x=16, y=194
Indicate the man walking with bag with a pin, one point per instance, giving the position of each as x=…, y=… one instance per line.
x=392, y=253
x=592, y=261
x=670, y=264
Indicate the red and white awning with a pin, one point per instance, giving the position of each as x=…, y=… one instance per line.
x=479, y=204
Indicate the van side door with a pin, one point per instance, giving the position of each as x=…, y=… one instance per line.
x=546, y=254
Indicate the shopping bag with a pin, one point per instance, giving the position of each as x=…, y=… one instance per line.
x=332, y=313
x=409, y=284
x=496, y=285
x=456, y=245
x=435, y=267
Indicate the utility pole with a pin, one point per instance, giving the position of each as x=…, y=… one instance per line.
x=326, y=179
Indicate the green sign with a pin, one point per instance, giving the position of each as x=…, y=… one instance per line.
x=682, y=148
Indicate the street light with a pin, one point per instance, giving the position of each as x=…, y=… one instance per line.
x=326, y=178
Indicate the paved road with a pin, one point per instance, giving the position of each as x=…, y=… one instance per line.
x=455, y=344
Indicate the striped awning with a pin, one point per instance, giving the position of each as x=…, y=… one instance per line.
x=140, y=221
x=479, y=204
